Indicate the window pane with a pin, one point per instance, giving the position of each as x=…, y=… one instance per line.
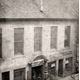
x=37, y=45
x=53, y=31
x=18, y=34
x=37, y=38
x=67, y=36
x=18, y=47
x=37, y=32
x=53, y=43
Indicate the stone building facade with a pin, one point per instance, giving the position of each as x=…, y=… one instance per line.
x=32, y=44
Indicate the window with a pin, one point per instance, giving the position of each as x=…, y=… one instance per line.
x=18, y=40
x=6, y=75
x=0, y=43
x=52, y=68
x=37, y=38
x=19, y=74
x=53, y=43
x=67, y=36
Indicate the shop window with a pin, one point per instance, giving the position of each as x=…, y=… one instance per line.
x=53, y=43
x=0, y=43
x=68, y=66
x=52, y=68
x=37, y=38
x=67, y=36
x=5, y=76
x=19, y=74
x=18, y=40
x=60, y=68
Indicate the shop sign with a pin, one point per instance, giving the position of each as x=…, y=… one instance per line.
x=66, y=62
x=37, y=62
x=53, y=65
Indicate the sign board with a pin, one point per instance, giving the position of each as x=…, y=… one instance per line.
x=53, y=65
x=37, y=62
x=66, y=62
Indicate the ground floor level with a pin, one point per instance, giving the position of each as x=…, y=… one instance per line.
x=58, y=67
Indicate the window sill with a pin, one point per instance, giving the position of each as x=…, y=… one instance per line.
x=38, y=52
x=53, y=50
x=18, y=56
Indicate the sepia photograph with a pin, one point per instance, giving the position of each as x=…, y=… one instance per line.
x=39, y=39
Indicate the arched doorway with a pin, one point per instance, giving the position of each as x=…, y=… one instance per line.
x=38, y=65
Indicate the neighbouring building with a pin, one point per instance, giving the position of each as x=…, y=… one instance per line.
x=38, y=36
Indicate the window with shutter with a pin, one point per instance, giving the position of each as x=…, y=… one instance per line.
x=18, y=40
x=37, y=38
x=67, y=36
x=0, y=43
x=53, y=39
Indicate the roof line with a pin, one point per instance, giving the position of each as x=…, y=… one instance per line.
x=70, y=7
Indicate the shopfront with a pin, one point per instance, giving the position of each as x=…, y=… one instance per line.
x=37, y=68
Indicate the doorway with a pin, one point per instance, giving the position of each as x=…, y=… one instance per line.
x=5, y=76
x=60, y=68
x=37, y=73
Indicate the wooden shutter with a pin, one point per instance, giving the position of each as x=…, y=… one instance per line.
x=29, y=75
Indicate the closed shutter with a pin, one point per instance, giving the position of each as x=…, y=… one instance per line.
x=28, y=75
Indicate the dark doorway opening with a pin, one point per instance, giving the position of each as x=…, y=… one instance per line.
x=37, y=73
x=60, y=68
x=5, y=76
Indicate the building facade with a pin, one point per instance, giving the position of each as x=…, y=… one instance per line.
x=31, y=46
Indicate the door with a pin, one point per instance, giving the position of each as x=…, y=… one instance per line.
x=60, y=68
x=37, y=73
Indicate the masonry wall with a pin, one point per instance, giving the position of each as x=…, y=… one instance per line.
x=10, y=62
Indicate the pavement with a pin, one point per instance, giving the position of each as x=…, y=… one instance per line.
x=73, y=77
x=66, y=78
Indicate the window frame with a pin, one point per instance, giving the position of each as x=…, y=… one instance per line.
x=53, y=38
x=38, y=39
x=20, y=41
x=67, y=46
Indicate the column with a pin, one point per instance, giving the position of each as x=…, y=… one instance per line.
x=57, y=68
x=11, y=75
x=63, y=67
x=26, y=73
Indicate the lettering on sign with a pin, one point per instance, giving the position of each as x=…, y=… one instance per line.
x=66, y=62
x=53, y=65
x=37, y=63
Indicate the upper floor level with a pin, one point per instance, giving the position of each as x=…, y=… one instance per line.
x=27, y=38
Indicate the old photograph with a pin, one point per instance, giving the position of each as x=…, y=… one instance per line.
x=39, y=39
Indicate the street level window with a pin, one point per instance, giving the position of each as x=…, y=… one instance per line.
x=52, y=68
x=0, y=43
x=53, y=43
x=18, y=40
x=37, y=38
x=68, y=66
x=6, y=75
x=19, y=74
x=67, y=36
